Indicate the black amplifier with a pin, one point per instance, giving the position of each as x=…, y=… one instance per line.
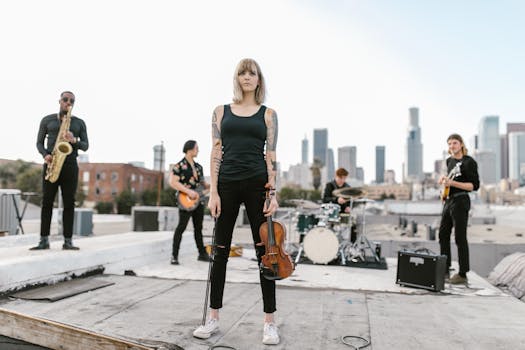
x=421, y=269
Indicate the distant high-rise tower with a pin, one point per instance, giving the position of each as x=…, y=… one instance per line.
x=511, y=127
x=504, y=150
x=360, y=174
x=304, y=151
x=486, y=169
x=159, y=157
x=347, y=158
x=413, y=149
x=489, y=141
x=380, y=164
x=517, y=156
x=321, y=145
x=330, y=164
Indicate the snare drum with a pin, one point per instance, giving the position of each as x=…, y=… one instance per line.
x=321, y=245
x=306, y=222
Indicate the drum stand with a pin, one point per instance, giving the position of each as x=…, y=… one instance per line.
x=299, y=254
x=358, y=248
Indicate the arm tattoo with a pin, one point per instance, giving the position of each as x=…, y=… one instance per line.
x=272, y=133
x=217, y=163
x=274, y=165
x=215, y=128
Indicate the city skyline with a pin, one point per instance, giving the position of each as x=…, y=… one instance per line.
x=351, y=66
x=510, y=146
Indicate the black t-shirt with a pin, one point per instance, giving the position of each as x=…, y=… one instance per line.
x=243, y=141
x=468, y=172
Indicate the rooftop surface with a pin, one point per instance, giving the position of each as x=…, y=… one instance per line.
x=162, y=304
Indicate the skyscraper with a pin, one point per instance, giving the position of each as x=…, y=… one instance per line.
x=489, y=142
x=380, y=164
x=504, y=149
x=413, y=149
x=511, y=127
x=360, y=173
x=347, y=158
x=304, y=151
x=330, y=164
x=517, y=156
x=321, y=145
x=486, y=168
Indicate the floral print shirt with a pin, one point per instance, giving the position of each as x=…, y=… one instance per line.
x=186, y=175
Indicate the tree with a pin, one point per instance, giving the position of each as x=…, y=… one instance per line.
x=316, y=173
x=104, y=207
x=80, y=197
x=10, y=171
x=125, y=201
x=168, y=197
x=30, y=180
x=288, y=193
x=149, y=197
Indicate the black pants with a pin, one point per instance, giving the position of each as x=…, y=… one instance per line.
x=251, y=192
x=455, y=214
x=67, y=181
x=197, y=216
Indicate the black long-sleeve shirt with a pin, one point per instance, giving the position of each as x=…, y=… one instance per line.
x=50, y=126
x=468, y=170
x=328, y=196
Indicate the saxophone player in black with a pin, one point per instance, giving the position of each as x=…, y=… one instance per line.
x=67, y=179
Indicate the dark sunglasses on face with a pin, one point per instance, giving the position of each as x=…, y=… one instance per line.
x=65, y=99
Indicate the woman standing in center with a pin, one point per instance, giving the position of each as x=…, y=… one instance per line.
x=240, y=169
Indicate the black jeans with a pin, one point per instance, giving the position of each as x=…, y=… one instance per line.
x=197, y=216
x=455, y=214
x=251, y=192
x=67, y=181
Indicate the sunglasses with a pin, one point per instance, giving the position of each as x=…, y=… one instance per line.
x=66, y=99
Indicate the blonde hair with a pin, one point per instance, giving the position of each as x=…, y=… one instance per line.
x=460, y=139
x=248, y=64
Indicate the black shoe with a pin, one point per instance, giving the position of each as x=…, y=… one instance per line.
x=68, y=245
x=43, y=244
x=203, y=257
x=174, y=261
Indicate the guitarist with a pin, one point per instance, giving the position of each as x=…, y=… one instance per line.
x=457, y=205
x=185, y=177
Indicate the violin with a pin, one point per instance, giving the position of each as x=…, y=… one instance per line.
x=276, y=264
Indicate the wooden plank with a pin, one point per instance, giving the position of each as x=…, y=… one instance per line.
x=58, y=336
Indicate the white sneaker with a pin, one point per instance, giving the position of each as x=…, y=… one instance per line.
x=204, y=332
x=271, y=334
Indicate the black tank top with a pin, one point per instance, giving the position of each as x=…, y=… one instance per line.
x=243, y=140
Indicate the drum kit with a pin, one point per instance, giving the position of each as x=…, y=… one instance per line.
x=325, y=234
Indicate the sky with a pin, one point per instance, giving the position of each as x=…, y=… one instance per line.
x=146, y=72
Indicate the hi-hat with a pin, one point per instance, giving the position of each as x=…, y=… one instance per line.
x=349, y=192
x=305, y=204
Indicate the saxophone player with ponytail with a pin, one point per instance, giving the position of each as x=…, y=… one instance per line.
x=60, y=166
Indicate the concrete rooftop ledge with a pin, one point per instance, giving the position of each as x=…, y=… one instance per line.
x=20, y=267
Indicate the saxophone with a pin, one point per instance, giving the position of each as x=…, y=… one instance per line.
x=61, y=150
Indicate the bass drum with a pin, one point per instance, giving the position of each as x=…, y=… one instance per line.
x=321, y=245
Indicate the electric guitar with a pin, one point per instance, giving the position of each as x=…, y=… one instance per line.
x=456, y=171
x=186, y=203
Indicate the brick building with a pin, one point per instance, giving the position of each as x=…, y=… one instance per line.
x=102, y=182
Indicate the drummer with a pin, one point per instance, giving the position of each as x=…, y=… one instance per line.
x=338, y=182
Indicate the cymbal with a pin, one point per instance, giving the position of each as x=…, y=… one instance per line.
x=305, y=204
x=349, y=192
